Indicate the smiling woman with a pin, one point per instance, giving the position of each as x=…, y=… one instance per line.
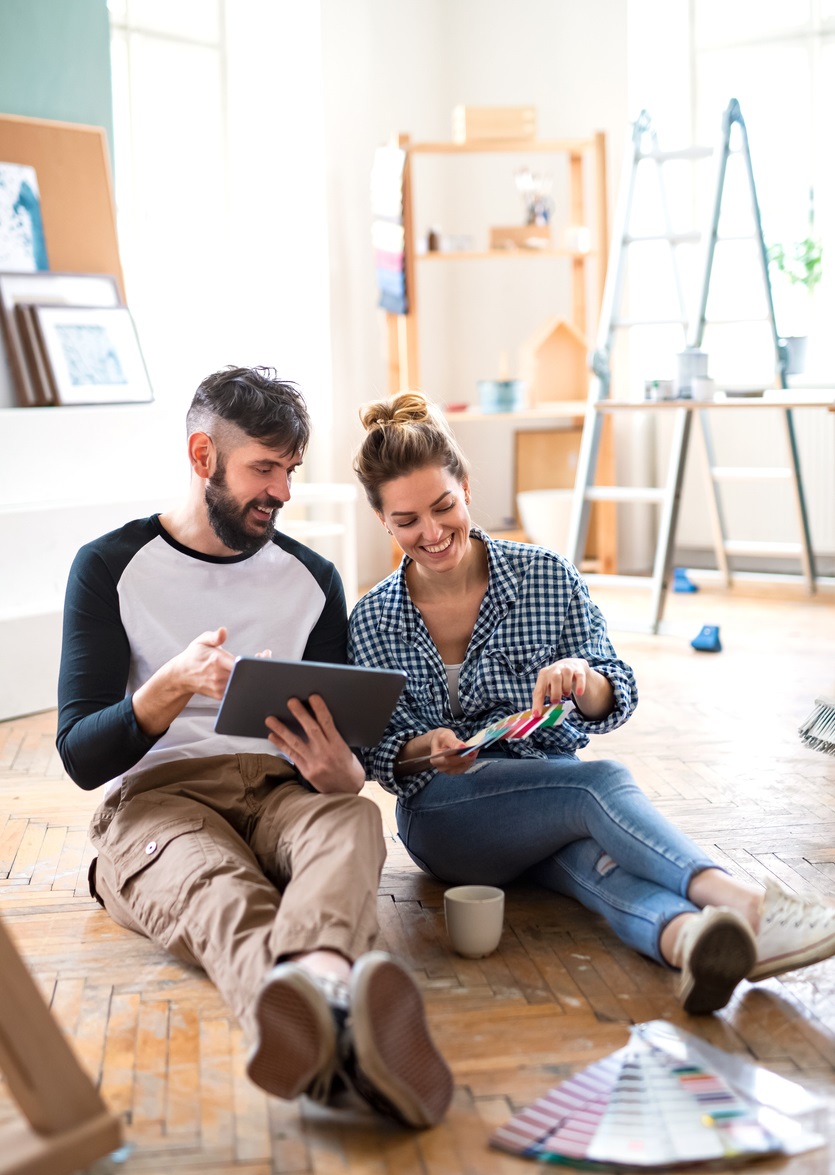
x=486, y=628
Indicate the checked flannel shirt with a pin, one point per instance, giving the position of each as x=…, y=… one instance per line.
x=536, y=610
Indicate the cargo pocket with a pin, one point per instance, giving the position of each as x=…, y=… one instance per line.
x=148, y=848
x=156, y=858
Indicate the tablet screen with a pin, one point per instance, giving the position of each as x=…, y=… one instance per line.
x=360, y=700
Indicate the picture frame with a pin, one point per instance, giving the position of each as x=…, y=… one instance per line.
x=92, y=355
x=35, y=363
x=47, y=288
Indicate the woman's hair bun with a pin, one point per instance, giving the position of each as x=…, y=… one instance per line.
x=396, y=411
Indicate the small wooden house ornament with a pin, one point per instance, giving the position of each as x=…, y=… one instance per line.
x=555, y=363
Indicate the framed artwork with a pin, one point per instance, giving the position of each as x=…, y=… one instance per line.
x=47, y=288
x=22, y=244
x=92, y=354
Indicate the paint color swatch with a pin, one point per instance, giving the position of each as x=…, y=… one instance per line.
x=512, y=726
x=644, y=1107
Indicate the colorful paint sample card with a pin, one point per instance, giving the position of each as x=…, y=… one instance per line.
x=517, y=726
x=654, y=1104
x=513, y=726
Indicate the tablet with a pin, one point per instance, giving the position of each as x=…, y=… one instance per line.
x=360, y=700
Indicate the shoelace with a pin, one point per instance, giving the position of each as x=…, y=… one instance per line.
x=792, y=906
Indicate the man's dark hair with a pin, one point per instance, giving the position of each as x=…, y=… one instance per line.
x=255, y=400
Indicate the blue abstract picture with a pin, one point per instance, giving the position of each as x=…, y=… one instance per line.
x=90, y=355
x=22, y=243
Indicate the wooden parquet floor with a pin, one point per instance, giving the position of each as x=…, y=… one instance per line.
x=713, y=743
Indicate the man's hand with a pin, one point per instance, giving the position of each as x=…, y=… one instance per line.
x=203, y=667
x=320, y=753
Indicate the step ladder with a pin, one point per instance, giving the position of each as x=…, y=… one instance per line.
x=643, y=146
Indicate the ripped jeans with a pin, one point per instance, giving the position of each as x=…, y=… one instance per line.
x=582, y=828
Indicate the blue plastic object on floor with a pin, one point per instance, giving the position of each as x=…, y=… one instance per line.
x=682, y=581
x=707, y=640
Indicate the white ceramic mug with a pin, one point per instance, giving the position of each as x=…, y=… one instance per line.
x=474, y=919
x=704, y=388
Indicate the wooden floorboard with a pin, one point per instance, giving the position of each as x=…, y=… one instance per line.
x=714, y=744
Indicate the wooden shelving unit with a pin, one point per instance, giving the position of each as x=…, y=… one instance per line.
x=566, y=403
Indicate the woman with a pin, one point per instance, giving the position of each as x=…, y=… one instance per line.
x=486, y=628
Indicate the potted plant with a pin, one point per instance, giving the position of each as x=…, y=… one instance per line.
x=798, y=268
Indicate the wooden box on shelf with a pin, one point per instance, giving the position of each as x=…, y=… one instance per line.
x=520, y=236
x=471, y=124
x=555, y=363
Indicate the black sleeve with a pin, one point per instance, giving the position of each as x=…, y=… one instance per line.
x=328, y=641
x=98, y=735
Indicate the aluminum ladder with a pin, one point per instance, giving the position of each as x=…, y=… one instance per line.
x=717, y=474
x=642, y=145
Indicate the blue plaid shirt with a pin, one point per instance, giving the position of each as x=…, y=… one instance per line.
x=536, y=610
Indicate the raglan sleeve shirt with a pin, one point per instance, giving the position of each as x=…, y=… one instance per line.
x=136, y=598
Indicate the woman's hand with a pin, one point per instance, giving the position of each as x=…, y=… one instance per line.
x=320, y=752
x=427, y=750
x=574, y=677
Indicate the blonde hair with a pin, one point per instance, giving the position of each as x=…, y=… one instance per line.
x=404, y=433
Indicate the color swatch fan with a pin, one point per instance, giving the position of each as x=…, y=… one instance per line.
x=657, y=1103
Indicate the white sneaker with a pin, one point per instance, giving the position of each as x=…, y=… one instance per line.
x=716, y=948
x=794, y=932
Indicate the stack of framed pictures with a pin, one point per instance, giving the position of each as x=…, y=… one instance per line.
x=70, y=340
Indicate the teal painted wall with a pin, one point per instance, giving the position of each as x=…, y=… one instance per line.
x=55, y=61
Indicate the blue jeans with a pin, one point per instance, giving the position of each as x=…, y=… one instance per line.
x=582, y=828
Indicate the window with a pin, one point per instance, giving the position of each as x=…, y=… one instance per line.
x=220, y=189
x=776, y=59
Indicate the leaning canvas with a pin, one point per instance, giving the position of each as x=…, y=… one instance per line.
x=22, y=243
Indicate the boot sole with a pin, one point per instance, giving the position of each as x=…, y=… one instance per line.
x=722, y=957
x=392, y=1044
x=297, y=1036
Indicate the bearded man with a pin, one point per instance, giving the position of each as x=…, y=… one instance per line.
x=255, y=859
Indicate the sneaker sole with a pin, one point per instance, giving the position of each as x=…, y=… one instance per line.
x=393, y=1048
x=791, y=961
x=297, y=1036
x=722, y=957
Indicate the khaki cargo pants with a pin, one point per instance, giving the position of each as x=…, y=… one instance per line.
x=231, y=863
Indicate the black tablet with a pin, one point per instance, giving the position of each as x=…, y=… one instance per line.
x=360, y=700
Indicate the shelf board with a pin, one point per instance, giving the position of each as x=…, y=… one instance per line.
x=746, y=404
x=557, y=410
x=520, y=146
x=493, y=254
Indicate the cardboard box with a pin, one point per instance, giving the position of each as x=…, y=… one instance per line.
x=473, y=124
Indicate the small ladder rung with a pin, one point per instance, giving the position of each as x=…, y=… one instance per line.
x=750, y=473
x=743, y=547
x=625, y=494
x=630, y=322
x=686, y=236
x=737, y=321
x=680, y=153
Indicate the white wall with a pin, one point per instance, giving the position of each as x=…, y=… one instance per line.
x=66, y=476
x=400, y=66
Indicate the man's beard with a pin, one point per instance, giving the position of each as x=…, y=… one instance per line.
x=228, y=519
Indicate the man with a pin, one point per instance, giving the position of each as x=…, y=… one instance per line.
x=256, y=860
